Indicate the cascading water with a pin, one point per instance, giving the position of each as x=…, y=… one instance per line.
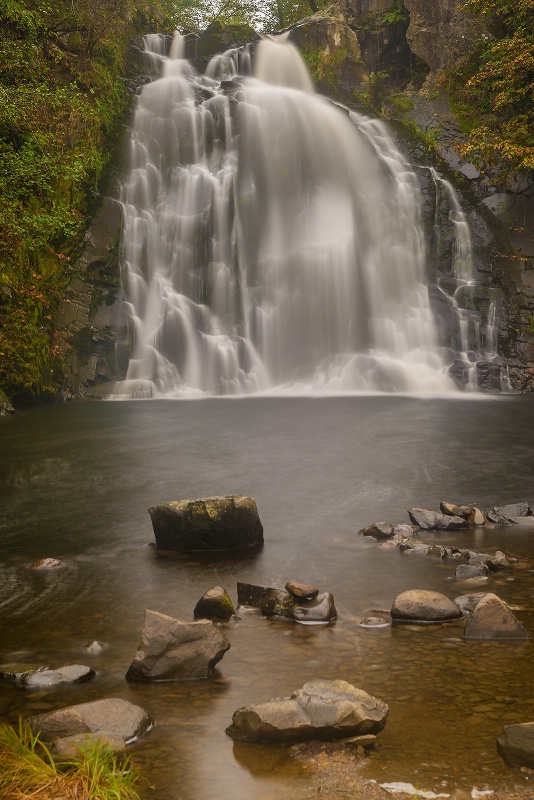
x=272, y=240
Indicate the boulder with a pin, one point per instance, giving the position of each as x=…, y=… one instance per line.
x=172, y=650
x=112, y=715
x=215, y=604
x=302, y=591
x=322, y=709
x=418, y=605
x=476, y=517
x=505, y=515
x=453, y=510
x=250, y=595
x=406, y=529
x=516, y=744
x=468, y=602
x=378, y=530
x=211, y=523
x=498, y=562
x=492, y=619
x=433, y=521
x=318, y=609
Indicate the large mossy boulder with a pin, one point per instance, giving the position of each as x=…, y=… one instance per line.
x=172, y=650
x=322, y=709
x=215, y=604
x=207, y=524
x=113, y=716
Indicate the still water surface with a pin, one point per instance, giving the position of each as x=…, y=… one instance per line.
x=76, y=481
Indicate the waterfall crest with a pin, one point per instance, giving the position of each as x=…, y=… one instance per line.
x=272, y=240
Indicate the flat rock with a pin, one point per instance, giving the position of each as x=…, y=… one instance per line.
x=434, y=521
x=172, y=650
x=418, y=605
x=207, y=524
x=492, y=619
x=303, y=591
x=112, y=715
x=44, y=678
x=322, y=709
x=516, y=744
x=378, y=530
x=504, y=515
x=215, y=604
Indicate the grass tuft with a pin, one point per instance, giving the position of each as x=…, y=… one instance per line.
x=28, y=771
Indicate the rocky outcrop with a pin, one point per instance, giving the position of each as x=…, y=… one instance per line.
x=320, y=710
x=492, y=619
x=112, y=715
x=210, y=523
x=417, y=605
x=172, y=650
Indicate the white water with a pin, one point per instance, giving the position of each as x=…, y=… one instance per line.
x=272, y=241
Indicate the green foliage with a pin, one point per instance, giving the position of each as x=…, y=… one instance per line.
x=28, y=770
x=397, y=13
x=62, y=101
x=493, y=91
x=265, y=15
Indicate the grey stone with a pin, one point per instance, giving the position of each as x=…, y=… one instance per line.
x=215, y=604
x=378, y=530
x=468, y=602
x=504, y=515
x=465, y=572
x=44, y=678
x=498, y=562
x=112, y=715
x=418, y=605
x=492, y=619
x=318, y=609
x=322, y=709
x=210, y=523
x=172, y=650
x=432, y=520
x=515, y=744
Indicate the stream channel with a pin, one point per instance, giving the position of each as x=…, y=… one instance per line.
x=76, y=481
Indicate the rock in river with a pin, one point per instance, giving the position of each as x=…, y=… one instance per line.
x=492, y=619
x=516, y=744
x=418, y=605
x=172, y=650
x=112, y=715
x=433, y=521
x=322, y=709
x=215, y=604
x=210, y=523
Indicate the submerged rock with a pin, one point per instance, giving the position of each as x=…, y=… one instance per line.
x=215, y=604
x=210, y=523
x=516, y=744
x=112, y=715
x=418, y=605
x=492, y=619
x=75, y=746
x=171, y=650
x=433, y=521
x=46, y=563
x=322, y=709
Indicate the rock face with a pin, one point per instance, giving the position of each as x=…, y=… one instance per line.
x=492, y=619
x=215, y=604
x=418, y=605
x=113, y=715
x=211, y=523
x=516, y=745
x=433, y=521
x=320, y=710
x=171, y=650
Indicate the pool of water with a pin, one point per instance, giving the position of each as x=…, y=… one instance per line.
x=76, y=481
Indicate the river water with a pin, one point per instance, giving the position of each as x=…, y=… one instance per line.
x=77, y=480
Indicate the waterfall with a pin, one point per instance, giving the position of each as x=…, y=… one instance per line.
x=272, y=240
